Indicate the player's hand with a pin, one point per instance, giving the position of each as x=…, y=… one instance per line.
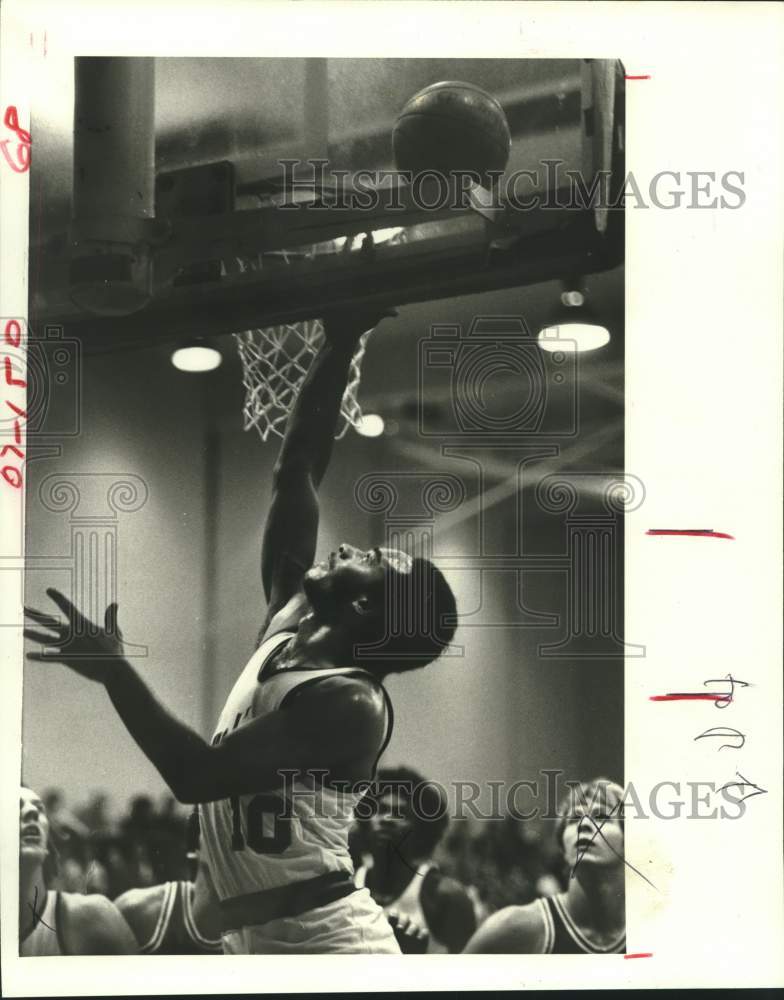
x=349, y=323
x=87, y=648
x=411, y=936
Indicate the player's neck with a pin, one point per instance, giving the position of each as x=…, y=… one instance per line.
x=312, y=647
x=320, y=645
x=32, y=896
x=316, y=645
x=597, y=899
x=391, y=872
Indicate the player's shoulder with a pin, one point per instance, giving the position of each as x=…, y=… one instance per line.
x=356, y=694
x=443, y=888
x=347, y=711
x=140, y=908
x=94, y=925
x=448, y=909
x=84, y=904
x=511, y=930
x=86, y=907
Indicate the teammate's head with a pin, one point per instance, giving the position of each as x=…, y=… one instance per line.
x=396, y=612
x=35, y=835
x=409, y=815
x=589, y=829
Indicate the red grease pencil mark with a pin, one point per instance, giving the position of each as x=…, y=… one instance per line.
x=693, y=532
x=640, y=954
x=12, y=336
x=22, y=161
x=691, y=697
x=636, y=78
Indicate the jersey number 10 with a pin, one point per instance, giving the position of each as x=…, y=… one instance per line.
x=272, y=837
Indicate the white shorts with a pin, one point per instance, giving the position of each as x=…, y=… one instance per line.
x=353, y=925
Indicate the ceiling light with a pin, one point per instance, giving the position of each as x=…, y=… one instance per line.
x=196, y=358
x=573, y=326
x=371, y=425
x=573, y=337
x=572, y=298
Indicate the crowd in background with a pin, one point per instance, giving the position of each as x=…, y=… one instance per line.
x=501, y=862
x=99, y=851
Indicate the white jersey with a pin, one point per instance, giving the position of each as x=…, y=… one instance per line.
x=45, y=939
x=270, y=840
x=409, y=903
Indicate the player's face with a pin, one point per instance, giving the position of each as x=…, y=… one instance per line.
x=350, y=573
x=593, y=834
x=33, y=826
x=391, y=824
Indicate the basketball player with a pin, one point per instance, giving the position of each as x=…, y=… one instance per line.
x=176, y=918
x=589, y=918
x=410, y=819
x=302, y=731
x=59, y=923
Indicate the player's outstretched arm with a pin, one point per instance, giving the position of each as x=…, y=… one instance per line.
x=97, y=654
x=290, y=534
x=337, y=720
x=140, y=908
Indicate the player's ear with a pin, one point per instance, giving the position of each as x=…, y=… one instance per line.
x=363, y=606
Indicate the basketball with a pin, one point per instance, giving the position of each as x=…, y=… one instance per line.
x=452, y=126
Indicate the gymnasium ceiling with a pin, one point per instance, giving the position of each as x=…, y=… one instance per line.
x=252, y=112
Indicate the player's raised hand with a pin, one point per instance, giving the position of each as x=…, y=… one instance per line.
x=89, y=649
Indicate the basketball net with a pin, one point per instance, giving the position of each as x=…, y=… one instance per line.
x=275, y=361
